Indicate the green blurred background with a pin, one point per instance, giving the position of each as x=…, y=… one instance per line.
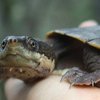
x=36, y=17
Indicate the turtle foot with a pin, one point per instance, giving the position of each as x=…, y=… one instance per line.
x=72, y=75
x=88, y=79
x=77, y=77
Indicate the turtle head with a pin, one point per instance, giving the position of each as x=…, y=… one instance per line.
x=24, y=51
x=18, y=51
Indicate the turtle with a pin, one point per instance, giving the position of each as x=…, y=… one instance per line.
x=25, y=58
x=78, y=50
x=28, y=59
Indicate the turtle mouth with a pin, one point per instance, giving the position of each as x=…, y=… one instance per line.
x=15, y=64
x=18, y=57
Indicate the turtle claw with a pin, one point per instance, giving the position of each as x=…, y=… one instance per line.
x=92, y=83
x=71, y=84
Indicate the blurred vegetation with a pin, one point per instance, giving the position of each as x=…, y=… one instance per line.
x=2, y=95
x=36, y=17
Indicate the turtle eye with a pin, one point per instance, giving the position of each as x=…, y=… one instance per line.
x=3, y=44
x=32, y=44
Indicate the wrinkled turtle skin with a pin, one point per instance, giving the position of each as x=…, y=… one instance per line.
x=25, y=58
x=79, y=50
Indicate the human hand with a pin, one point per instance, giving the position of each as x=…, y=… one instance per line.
x=50, y=89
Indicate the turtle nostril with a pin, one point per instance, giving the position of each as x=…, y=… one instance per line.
x=15, y=40
x=10, y=41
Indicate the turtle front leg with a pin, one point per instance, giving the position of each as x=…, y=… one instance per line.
x=76, y=76
x=91, y=75
x=72, y=75
x=89, y=79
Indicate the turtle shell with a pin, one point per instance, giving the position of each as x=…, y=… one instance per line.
x=89, y=35
x=71, y=48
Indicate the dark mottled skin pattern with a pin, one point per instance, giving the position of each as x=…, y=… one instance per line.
x=46, y=50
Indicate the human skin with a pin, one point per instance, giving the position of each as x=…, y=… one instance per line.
x=62, y=91
x=51, y=88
